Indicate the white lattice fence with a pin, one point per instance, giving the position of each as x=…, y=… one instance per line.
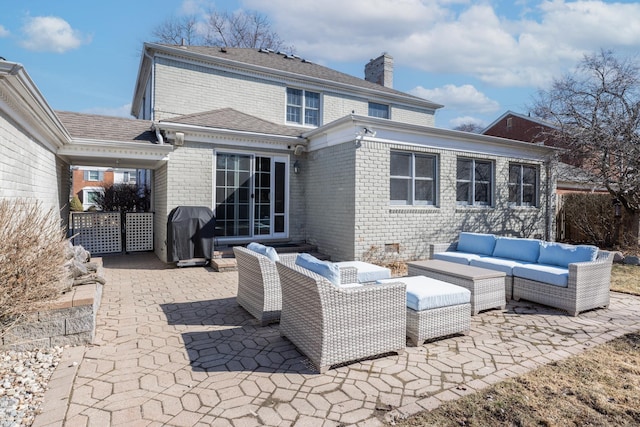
x=97, y=232
x=138, y=232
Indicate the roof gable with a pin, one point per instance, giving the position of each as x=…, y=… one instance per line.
x=278, y=65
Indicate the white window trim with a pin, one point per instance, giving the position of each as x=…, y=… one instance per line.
x=86, y=204
x=379, y=103
x=304, y=92
x=412, y=178
x=274, y=158
x=520, y=203
x=472, y=183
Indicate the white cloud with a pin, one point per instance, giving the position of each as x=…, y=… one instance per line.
x=51, y=34
x=464, y=98
x=3, y=32
x=516, y=44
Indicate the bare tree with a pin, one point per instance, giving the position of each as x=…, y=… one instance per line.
x=597, y=111
x=247, y=29
x=175, y=30
x=469, y=127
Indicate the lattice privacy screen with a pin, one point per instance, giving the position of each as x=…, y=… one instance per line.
x=97, y=232
x=139, y=232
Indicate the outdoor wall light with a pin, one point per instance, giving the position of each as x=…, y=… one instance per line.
x=296, y=166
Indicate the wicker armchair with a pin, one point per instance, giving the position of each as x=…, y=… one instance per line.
x=588, y=287
x=333, y=325
x=259, y=285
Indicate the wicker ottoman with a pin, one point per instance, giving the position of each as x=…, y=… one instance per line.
x=489, y=288
x=435, y=308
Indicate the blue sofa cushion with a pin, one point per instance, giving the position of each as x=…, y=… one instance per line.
x=561, y=254
x=326, y=269
x=498, y=264
x=425, y=293
x=549, y=274
x=515, y=248
x=457, y=257
x=476, y=243
x=267, y=251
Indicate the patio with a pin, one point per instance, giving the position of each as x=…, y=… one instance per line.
x=173, y=348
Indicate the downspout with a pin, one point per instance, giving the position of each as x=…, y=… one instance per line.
x=551, y=205
x=159, y=136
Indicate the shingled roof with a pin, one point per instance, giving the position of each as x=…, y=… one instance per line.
x=292, y=64
x=228, y=118
x=106, y=128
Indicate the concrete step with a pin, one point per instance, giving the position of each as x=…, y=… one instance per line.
x=224, y=264
x=223, y=259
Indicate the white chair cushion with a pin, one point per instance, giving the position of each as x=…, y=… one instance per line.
x=367, y=272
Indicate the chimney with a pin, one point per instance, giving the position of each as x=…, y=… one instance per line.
x=380, y=70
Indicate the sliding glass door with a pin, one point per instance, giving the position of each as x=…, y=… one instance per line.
x=251, y=196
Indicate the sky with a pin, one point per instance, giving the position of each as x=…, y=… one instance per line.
x=478, y=58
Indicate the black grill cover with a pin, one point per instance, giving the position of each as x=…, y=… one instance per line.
x=190, y=232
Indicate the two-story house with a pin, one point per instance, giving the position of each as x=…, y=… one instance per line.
x=89, y=182
x=283, y=149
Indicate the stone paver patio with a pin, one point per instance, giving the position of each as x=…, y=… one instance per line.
x=173, y=348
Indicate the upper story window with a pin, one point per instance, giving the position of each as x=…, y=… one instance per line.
x=474, y=182
x=303, y=107
x=93, y=175
x=378, y=110
x=413, y=179
x=523, y=185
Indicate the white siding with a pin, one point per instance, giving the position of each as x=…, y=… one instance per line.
x=28, y=170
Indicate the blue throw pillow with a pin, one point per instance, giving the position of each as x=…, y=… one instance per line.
x=267, y=251
x=552, y=253
x=516, y=248
x=476, y=243
x=326, y=269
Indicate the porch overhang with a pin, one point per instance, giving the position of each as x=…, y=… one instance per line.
x=136, y=155
x=230, y=137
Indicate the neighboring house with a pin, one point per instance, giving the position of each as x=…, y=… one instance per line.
x=529, y=129
x=283, y=149
x=569, y=177
x=89, y=182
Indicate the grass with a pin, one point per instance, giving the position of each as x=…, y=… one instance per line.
x=599, y=387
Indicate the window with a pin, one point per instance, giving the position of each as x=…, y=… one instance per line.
x=378, y=110
x=523, y=185
x=303, y=107
x=93, y=175
x=474, y=180
x=412, y=179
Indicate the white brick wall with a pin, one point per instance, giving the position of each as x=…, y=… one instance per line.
x=414, y=228
x=330, y=200
x=161, y=212
x=29, y=170
x=189, y=88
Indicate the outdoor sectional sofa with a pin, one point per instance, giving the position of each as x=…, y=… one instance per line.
x=573, y=278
